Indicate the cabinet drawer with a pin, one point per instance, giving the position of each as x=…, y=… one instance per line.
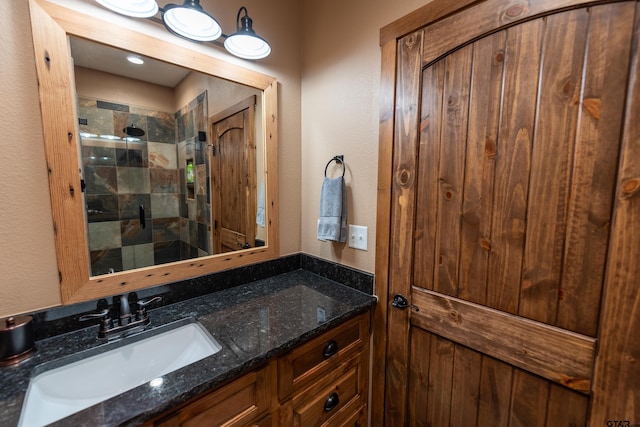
x=239, y=403
x=313, y=359
x=333, y=400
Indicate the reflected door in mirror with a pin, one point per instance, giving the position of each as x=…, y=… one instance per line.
x=233, y=177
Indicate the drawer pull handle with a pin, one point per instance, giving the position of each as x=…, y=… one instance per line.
x=332, y=401
x=330, y=349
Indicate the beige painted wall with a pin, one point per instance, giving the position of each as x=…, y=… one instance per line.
x=340, y=112
x=29, y=279
x=109, y=87
x=328, y=105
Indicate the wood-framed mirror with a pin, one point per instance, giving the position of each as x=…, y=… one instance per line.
x=53, y=28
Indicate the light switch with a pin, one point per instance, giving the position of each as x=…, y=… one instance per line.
x=358, y=237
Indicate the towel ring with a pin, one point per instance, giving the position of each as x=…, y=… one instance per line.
x=337, y=159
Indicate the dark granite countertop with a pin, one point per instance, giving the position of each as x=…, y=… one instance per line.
x=252, y=322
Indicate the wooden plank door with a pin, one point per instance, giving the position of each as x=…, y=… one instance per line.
x=514, y=219
x=233, y=177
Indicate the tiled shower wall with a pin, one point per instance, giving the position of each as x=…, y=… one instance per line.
x=195, y=205
x=123, y=175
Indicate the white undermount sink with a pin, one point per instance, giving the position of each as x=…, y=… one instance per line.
x=60, y=392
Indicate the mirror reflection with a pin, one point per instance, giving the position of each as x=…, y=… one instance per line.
x=172, y=160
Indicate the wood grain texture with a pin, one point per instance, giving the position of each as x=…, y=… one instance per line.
x=595, y=164
x=428, y=13
x=402, y=214
x=513, y=163
x=383, y=231
x=419, y=377
x=617, y=373
x=566, y=407
x=465, y=395
x=425, y=234
x=440, y=381
x=529, y=400
x=495, y=393
x=485, y=17
x=551, y=163
x=477, y=207
x=58, y=109
x=453, y=147
x=552, y=353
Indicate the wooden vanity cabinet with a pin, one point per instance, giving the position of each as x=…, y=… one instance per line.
x=323, y=382
x=240, y=403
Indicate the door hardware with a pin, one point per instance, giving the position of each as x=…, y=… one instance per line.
x=400, y=301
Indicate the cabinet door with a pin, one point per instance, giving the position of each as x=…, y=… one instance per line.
x=313, y=360
x=237, y=404
x=333, y=400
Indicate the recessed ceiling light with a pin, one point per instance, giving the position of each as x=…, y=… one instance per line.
x=135, y=59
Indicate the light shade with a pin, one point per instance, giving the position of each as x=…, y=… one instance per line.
x=191, y=21
x=245, y=43
x=134, y=8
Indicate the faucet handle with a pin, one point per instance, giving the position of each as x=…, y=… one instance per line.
x=144, y=303
x=141, y=313
x=103, y=315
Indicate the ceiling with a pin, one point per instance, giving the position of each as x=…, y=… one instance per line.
x=111, y=60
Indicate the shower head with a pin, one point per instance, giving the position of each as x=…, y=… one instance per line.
x=133, y=131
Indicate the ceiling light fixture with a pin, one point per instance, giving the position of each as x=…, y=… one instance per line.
x=192, y=22
x=133, y=8
x=245, y=43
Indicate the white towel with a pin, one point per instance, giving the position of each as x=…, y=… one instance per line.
x=332, y=224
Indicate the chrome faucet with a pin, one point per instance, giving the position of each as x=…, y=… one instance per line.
x=126, y=321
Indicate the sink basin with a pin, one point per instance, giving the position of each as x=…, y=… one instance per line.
x=65, y=390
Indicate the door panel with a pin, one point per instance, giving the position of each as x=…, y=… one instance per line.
x=501, y=206
x=462, y=387
x=233, y=178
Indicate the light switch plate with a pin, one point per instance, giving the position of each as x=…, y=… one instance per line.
x=358, y=237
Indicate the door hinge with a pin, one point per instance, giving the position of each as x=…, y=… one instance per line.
x=400, y=301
